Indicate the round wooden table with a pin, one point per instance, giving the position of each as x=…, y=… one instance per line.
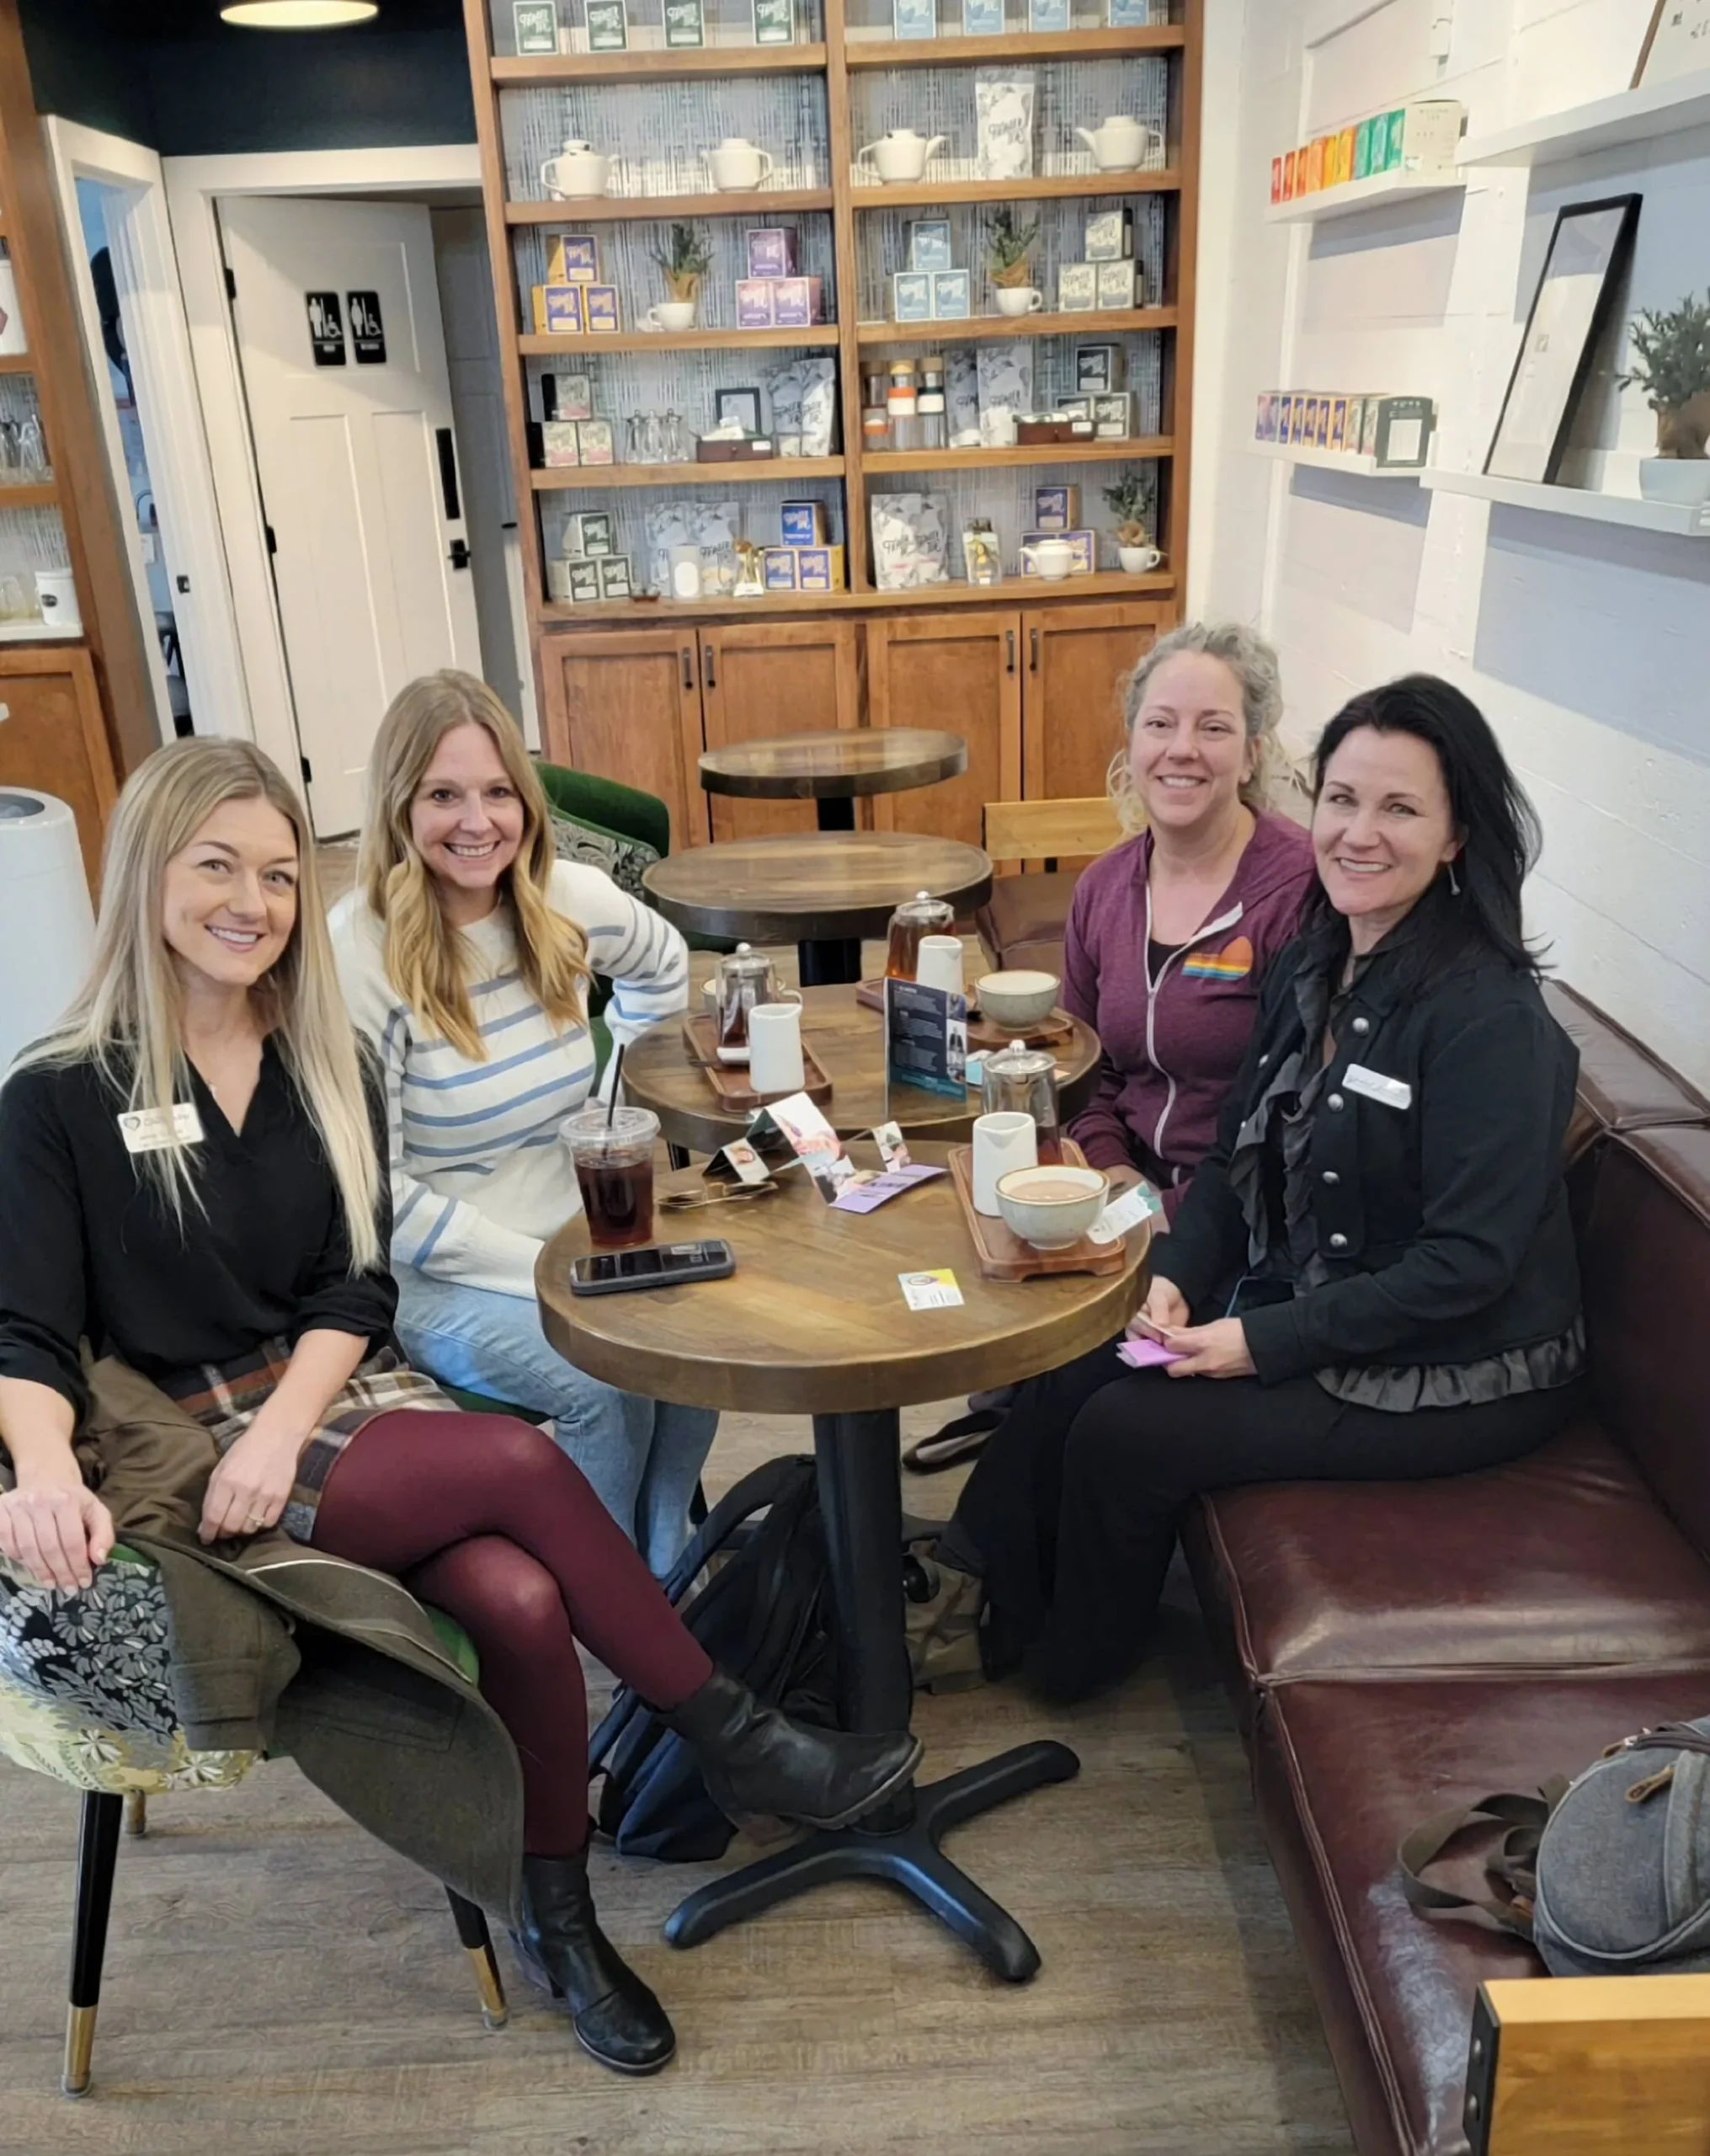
x=822, y=891
x=660, y=1073
x=813, y=1323
x=833, y=767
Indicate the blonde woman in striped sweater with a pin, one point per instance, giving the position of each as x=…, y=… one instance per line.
x=465, y=953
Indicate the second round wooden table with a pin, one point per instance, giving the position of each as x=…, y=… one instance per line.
x=822, y=891
x=813, y=1321
x=836, y=767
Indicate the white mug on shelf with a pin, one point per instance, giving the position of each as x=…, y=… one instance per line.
x=1019, y=299
x=1001, y=1142
x=672, y=314
x=939, y=964
x=1139, y=561
x=774, y=1048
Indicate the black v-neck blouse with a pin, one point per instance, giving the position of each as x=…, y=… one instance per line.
x=88, y=1248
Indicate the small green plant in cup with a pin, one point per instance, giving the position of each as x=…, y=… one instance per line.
x=1010, y=248
x=1133, y=499
x=685, y=260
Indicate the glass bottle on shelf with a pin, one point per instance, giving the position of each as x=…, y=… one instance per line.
x=632, y=439
x=676, y=447
x=875, y=418
x=32, y=450
x=929, y=404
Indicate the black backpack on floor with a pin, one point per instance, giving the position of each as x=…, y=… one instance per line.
x=762, y=1616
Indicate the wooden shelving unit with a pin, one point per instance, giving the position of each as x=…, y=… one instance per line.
x=629, y=686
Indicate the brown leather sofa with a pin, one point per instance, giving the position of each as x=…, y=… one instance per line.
x=1395, y=1650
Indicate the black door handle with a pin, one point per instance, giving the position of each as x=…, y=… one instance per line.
x=448, y=473
x=689, y=666
x=1033, y=659
x=711, y=678
x=458, y=555
x=1010, y=637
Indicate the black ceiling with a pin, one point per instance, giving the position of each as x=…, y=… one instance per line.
x=160, y=18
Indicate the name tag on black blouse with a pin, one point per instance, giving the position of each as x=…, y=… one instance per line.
x=1392, y=1092
x=150, y=1130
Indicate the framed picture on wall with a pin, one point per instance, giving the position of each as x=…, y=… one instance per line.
x=1677, y=43
x=1589, y=253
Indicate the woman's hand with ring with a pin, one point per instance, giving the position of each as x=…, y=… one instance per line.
x=249, y=1489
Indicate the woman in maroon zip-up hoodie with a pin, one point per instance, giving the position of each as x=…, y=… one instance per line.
x=1170, y=934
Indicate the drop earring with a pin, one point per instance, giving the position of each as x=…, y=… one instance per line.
x=1454, y=881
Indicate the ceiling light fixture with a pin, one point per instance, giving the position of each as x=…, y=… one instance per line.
x=297, y=14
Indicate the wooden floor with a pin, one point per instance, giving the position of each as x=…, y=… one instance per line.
x=277, y=1981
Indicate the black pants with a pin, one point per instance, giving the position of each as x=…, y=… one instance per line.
x=1071, y=1514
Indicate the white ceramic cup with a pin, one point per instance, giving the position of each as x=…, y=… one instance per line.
x=1139, y=561
x=939, y=964
x=774, y=1048
x=672, y=314
x=1001, y=1143
x=1019, y=299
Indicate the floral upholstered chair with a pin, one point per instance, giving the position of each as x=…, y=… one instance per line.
x=85, y=1696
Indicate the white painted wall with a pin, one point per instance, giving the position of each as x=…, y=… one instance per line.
x=1584, y=644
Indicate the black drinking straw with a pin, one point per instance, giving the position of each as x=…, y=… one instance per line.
x=616, y=1080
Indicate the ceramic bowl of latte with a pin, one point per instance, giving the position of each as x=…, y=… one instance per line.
x=1017, y=998
x=1052, y=1208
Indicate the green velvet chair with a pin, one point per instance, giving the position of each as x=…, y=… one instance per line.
x=118, y=1768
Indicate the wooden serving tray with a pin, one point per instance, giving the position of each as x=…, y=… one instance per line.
x=730, y=1081
x=1003, y=1255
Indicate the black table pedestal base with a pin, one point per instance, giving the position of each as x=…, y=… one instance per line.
x=837, y=814
x=830, y=964
x=909, y=1857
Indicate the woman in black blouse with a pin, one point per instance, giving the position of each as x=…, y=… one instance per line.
x=189, y=1179
x=1373, y=1276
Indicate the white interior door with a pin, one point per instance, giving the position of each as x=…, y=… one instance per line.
x=339, y=335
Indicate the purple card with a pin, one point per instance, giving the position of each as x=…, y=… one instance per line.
x=868, y=1197
x=1148, y=1354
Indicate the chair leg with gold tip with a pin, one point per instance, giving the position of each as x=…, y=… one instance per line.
x=97, y=1858
x=135, y=1813
x=477, y=1944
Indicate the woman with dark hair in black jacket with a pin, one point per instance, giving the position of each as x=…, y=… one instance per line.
x=1373, y=1276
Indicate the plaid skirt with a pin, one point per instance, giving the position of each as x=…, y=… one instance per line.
x=226, y=1399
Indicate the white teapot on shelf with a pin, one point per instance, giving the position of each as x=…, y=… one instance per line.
x=737, y=165
x=902, y=154
x=1121, y=144
x=578, y=170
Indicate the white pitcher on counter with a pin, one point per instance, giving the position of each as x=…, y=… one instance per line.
x=1121, y=145
x=577, y=172
x=736, y=165
x=900, y=155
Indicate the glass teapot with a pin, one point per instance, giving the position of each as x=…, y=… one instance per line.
x=921, y=916
x=1023, y=1080
x=741, y=979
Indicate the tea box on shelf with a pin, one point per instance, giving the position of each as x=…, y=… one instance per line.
x=774, y=22
x=771, y=252
x=614, y=576
x=819, y=568
x=952, y=295
x=567, y=397
x=796, y=301
x=558, y=310
x=1115, y=286
x=911, y=296
x=913, y=19
x=573, y=259
x=685, y=25
x=588, y=532
x=754, y=302
x=803, y=523
x=608, y=26
x=1110, y=236
x=1113, y=415
x=778, y=568
x=929, y=244
x=594, y=440
x=1097, y=366
x=983, y=18
x=1056, y=509
x=1077, y=287
x=599, y=309
x=536, y=25
x=582, y=583
x=559, y=445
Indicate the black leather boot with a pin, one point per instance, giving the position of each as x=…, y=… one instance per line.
x=756, y=1760
x=617, y=2019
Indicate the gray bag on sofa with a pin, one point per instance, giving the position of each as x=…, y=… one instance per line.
x=1608, y=1875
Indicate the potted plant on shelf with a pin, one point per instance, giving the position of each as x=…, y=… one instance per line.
x=1670, y=362
x=1131, y=499
x=685, y=261
x=1010, y=258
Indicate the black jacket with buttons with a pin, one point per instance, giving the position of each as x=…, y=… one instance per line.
x=1439, y=1210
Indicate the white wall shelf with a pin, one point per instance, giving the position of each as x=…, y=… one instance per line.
x=1680, y=519
x=1363, y=195
x=1328, y=460
x=1610, y=123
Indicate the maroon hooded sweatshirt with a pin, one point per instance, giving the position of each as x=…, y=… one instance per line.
x=1174, y=1039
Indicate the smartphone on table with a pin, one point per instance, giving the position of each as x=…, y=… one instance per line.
x=661, y=1265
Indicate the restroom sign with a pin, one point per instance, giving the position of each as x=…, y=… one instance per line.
x=367, y=330
x=326, y=329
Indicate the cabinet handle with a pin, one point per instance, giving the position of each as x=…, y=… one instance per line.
x=1009, y=636
x=1033, y=650
x=711, y=678
x=689, y=666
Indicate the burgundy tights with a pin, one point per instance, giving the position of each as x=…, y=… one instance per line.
x=486, y=1518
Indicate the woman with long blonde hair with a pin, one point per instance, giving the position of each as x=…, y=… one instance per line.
x=189, y=1179
x=465, y=955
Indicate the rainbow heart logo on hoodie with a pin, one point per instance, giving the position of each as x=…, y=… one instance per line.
x=1234, y=962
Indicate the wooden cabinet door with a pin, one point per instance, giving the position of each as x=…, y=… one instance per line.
x=1072, y=721
x=764, y=678
x=625, y=704
x=52, y=740
x=959, y=669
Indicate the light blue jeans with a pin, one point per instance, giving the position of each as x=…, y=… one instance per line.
x=643, y=1457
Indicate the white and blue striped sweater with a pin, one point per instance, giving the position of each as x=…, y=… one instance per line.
x=479, y=1179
